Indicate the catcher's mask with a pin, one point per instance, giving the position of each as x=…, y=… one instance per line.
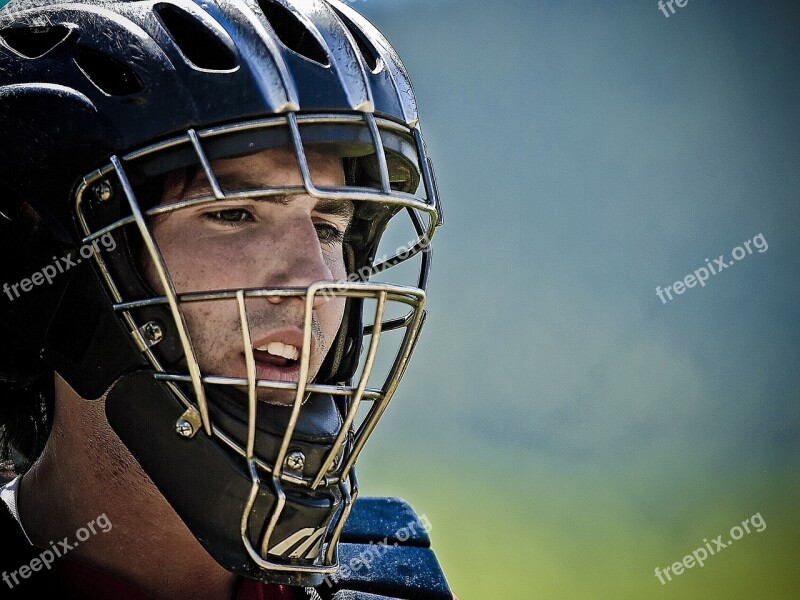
x=265, y=485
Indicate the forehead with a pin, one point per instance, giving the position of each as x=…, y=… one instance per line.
x=276, y=166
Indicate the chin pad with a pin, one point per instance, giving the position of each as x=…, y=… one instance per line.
x=208, y=485
x=318, y=424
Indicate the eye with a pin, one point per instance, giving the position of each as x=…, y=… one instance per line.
x=329, y=233
x=230, y=216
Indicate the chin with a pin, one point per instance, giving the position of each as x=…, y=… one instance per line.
x=277, y=397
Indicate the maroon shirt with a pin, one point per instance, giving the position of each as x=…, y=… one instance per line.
x=92, y=584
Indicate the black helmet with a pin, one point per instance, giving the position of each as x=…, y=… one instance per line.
x=100, y=104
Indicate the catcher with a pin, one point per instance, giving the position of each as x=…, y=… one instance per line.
x=193, y=196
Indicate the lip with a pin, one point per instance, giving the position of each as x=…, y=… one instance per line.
x=289, y=374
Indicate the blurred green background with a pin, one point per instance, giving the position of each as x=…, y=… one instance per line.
x=563, y=430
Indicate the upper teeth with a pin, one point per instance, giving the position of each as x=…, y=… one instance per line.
x=282, y=350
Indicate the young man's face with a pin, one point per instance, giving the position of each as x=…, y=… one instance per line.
x=269, y=242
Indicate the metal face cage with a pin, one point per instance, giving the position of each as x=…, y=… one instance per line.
x=396, y=179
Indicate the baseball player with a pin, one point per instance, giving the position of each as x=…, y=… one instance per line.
x=195, y=301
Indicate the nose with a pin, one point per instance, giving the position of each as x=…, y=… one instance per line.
x=294, y=257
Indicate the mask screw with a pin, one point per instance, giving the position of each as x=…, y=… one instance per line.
x=188, y=424
x=295, y=461
x=184, y=429
x=152, y=332
x=103, y=191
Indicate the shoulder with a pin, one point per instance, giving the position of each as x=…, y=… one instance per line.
x=385, y=552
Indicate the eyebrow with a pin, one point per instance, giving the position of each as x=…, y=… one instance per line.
x=235, y=182
x=339, y=208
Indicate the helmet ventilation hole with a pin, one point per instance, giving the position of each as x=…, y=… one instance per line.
x=292, y=32
x=368, y=51
x=34, y=42
x=108, y=74
x=198, y=43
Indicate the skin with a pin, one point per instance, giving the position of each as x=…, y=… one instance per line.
x=266, y=242
x=86, y=466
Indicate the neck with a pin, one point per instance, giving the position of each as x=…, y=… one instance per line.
x=86, y=479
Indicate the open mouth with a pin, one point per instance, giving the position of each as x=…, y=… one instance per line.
x=277, y=354
x=277, y=361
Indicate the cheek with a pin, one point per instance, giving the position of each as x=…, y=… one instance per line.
x=190, y=265
x=335, y=263
x=176, y=266
x=208, y=323
x=330, y=316
x=332, y=312
x=334, y=307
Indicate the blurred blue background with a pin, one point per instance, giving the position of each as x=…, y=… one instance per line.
x=563, y=429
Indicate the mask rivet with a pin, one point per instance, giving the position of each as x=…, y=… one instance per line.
x=152, y=332
x=184, y=429
x=103, y=191
x=189, y=423
x=295, y=461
